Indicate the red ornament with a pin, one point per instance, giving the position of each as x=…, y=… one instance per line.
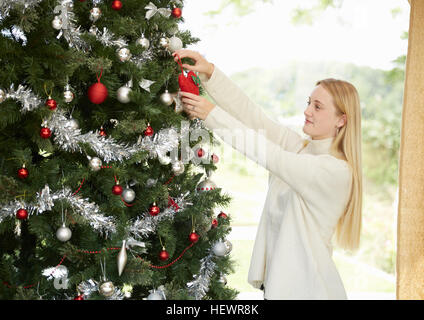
x=154, y=210
x=45, y=133
x=102, y=132
x=222, y=215
x=23, y=173
x=117, y=189
x=51, y=103
x=214, y=223
x=200, y=152
x=176, y=12
x=149, y=131
x=97, y=93
x=163, y=255
x=193, y=237
x=21, y=214
x=116, y=5
x=215, y=158
x=79, y=297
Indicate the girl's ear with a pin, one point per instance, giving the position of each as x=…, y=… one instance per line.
x=343, y=120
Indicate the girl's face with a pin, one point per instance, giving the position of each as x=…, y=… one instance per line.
x=321, y=121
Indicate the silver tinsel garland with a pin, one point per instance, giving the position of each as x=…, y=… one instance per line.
x=87, y=288
x=28, y=100
x=200, y=285
x=7, y=5
x=45, y=202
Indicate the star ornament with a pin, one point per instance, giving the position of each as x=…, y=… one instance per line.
x=145, y=84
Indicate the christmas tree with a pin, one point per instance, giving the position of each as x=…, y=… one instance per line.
x=103, y=193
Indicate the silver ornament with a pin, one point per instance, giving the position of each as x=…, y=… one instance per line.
x=95, y=163
x=57, y=23
x=95, y=14
x=175, y=44
x=165, y=160
x=128, y=195
x=122, y=258
x=123, y=94
x=219, y=249
x=166, y=98
x=178, y=167
x=107, y=289
x=222, y=279
x=144, y=42
x=2, y=96
x=157, y=294
x=93, y=30
x=124, y=54
x=206, y=185
x=164, y=42
x=229, y=246
x=63, y=233
x=72, y=124
x=68, y=95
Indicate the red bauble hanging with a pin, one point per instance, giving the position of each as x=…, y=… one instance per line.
x=215, y=158
x=79, y=297
x=193, y=237
x=117, y=189
x=23, y=172
x=97, y=93
x=200, y=153
x=154, y=210
x=214, y=223
x=222, y=215
x=149, y=131
x=176, y=12
x=116, y=5
x=163, y=255
x=21, y=214
x=45, y=133
x=102, y=132
x=51, y=103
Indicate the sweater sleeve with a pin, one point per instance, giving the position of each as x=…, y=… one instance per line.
x=306, y=174
x=233, y=100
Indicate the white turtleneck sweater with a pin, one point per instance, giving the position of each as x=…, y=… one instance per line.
x=307, y=193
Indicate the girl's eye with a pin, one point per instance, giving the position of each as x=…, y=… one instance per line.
x=317, y=107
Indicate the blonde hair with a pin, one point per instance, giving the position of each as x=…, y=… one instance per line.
x=347, y=146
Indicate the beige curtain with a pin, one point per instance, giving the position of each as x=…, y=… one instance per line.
x=410, y=231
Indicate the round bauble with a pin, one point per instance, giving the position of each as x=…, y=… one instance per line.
x=222, y=215
x=117, y=189
x=80, y=296
x=206, y=185
x=68, y=96
x=128, y=195
x=155, y=295
x=193, y=237
x=2, y=95
x=45, y=133
x=222, y=280
x=176, y=12
x=164, y=42
x=51, y=103
x=21, y=214
x=143, y=42
x=123, y=94
x=165, y=160
x=178, y=167
x=95, y=164
x=124, y=54
x=149, y=131
x=102, y=132
x=95, y=14
x=214, y=223
x=23, y=173
x=175, y=44
x=163, y=255
x=97, y=93
x=63, y=233
x=57, y=23
x=72, y=124
x=154, y=210
x=107, y=289
x=215, y=158
x=116, y=5
x=219, y=249
x=166, y=98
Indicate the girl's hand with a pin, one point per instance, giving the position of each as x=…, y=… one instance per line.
x=201, y=64
x=196, y=106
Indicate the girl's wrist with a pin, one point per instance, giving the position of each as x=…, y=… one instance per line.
x=210, y=71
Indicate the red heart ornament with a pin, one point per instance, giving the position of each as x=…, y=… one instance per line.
x=189, y=83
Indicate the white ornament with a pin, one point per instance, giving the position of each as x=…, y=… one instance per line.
x=175, y=44
x=165, y=160
x=63, y=233
x=124, y=54
x=107, y=289
x=128, y=195
x=95, y=163
x=57, y=23
x=95, y=14
x=123, y=94
x=72, y=124
x=166, y=98
x=178, y=167
x=144, y=42
x=122, y=258
x=219, y=249
x=164, y=42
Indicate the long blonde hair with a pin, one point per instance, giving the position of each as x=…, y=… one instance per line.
x=347, y=146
